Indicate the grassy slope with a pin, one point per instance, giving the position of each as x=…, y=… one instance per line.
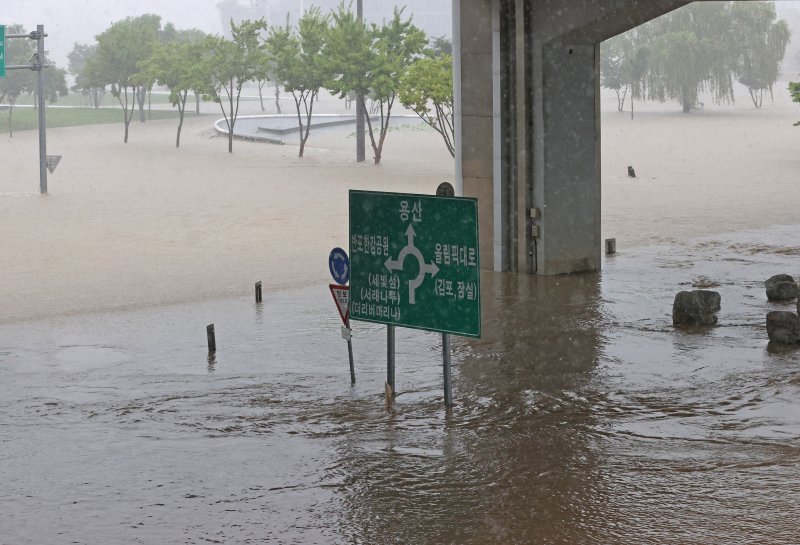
x=28, y=118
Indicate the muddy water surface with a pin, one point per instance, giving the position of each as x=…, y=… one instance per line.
x=591, y=420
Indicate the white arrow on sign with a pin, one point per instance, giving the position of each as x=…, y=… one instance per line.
x=397, y=265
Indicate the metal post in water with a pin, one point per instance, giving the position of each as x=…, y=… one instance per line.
x=42, y=124
x=258, y=291
x=360, y=113
x=212, y=340
x=390, y=357
x=350, y=354
x=448, y=388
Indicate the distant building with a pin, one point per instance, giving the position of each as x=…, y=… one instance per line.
x=435, y=17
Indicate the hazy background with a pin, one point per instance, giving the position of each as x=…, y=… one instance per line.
x=70, y=21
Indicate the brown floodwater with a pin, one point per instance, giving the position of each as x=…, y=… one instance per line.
x=581, y=417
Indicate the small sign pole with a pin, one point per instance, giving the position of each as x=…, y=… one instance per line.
x=341, y=295
x=350, y=354
x=448, y=387
x=390, y=361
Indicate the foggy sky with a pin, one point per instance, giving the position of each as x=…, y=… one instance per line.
x=70, y=21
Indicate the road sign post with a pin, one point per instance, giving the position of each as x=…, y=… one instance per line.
x=339, y=265
x=414, y=261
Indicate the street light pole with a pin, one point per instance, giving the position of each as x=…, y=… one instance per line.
x=360, y=142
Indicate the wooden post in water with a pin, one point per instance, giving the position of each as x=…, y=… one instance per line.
x=258, y=291
x=212, y=340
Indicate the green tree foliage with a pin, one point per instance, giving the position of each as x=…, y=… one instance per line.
x=794, y=90
x=624, y=63
x=55, y=84
x=230, y=64
x=427, y=90
x=300, y=64
x=371, y=62
x=78, y=58
x=21, y=51
x=175, y=66
x=761, y=44
x=690, y=53
x=698, y=49
x=17, y=82
x=120, y=50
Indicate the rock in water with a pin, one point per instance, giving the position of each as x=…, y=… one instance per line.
x=781, y=287
x=783, y=327
x=696, y=307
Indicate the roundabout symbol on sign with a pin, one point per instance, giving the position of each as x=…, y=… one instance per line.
x=339, y=265
x=397, y=265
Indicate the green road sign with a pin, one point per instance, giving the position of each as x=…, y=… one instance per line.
x=414, y=261
x=2, y=51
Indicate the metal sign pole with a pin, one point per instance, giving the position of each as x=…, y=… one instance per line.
x=390, y=358
x=42, y=125
x=350, y=354
x=448, y=388
x=37, y=65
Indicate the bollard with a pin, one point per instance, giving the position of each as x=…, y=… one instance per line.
x=212, y=341
x=611, y=246
x=258, y=291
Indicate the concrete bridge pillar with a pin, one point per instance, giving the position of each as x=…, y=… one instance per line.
x=527, y=99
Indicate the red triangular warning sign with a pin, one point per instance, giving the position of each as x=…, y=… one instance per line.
x=341, y=294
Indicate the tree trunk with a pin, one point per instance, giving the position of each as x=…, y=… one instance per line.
x=261, y=95
x=10, y=128
x=181, y=111
x=686, y=101
x=140, y=99
x=277, y=97
x=196, y=103
x=233, y=120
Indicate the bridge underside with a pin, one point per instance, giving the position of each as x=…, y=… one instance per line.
x=527, y=88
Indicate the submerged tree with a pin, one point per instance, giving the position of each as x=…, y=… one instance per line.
x=698, y=49
x=624, y=64
x=78, y=58
x=690, y=53
x=300, y=65
x=175, y=66
x=120, y=50
x=371, y=62
x=230, y=64
x=427, y=90
x=761, y=45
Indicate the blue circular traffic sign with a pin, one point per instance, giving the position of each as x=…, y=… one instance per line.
x=339, y=264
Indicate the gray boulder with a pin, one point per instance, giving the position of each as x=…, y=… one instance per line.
x=696, y=307
x=781, y=287
x=783, y=327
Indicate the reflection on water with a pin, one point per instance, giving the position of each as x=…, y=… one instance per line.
x=581, y=416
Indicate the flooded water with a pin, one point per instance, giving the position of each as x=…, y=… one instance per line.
x=581, y=417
